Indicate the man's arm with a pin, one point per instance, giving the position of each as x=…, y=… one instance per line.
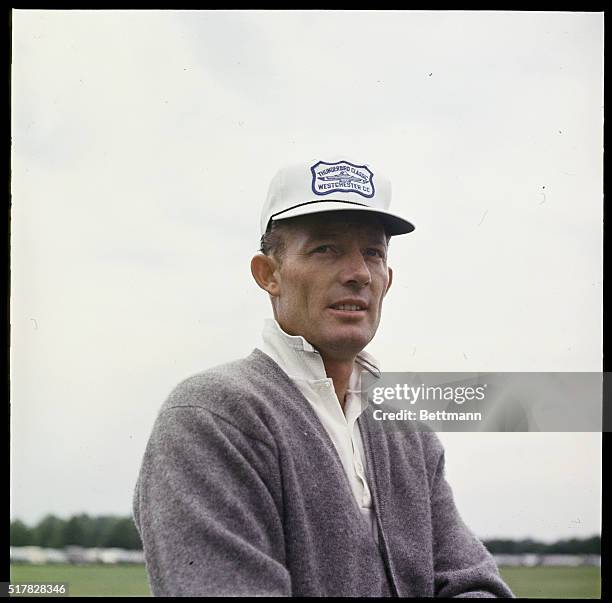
x=463, y=567
x=207, y=509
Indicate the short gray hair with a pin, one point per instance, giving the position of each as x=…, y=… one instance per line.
x=272, y=241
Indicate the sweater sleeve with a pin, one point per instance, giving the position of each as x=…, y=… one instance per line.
x=207, y=509
x=462, y=565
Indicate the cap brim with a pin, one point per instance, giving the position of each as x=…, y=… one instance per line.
x=394, y=225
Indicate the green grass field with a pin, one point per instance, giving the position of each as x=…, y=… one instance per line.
x=131, y=580
x=555, y=582
x=88, y=580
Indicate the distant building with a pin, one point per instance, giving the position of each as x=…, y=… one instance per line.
x=80, y=555
x=131, y=556
x=533, y=560
x=28, y=554
x=74, y=554
x=110, y=555
x=55, y=556
x=559, y=560
x=592, y=560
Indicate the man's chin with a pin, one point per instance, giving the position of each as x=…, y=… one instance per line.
x=346, y=342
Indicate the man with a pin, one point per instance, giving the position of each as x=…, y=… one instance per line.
x=264, y=476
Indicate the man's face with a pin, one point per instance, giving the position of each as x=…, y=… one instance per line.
x=332, y=281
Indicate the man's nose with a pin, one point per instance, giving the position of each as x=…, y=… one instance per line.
x=355, y=270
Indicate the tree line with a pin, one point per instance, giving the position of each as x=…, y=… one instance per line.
x=109, y=531
x=571, y=546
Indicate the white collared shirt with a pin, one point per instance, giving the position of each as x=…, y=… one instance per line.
x=304, y=365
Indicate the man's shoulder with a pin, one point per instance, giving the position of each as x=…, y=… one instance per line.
x=242, y=376
x=237, y=391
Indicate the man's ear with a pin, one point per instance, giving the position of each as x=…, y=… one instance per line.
x=390, y=279
x=264, y=271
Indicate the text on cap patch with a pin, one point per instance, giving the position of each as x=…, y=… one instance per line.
x=342, y=177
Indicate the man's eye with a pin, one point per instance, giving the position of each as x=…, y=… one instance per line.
x=322, y=249
x=375, y=252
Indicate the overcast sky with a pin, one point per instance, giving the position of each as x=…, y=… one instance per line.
x=143, y=145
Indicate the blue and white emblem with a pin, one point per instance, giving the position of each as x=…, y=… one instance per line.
x=342, y=177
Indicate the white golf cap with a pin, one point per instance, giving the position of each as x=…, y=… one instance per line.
x=318, y=186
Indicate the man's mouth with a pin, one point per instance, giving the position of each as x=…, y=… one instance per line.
x=349, y=307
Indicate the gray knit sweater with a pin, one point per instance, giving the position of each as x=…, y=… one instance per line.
x=241, y=492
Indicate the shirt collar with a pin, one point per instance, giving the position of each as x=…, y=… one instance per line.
x=277, y=340
x=296, y=342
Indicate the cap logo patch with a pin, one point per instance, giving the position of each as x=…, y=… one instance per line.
x=342, y=177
